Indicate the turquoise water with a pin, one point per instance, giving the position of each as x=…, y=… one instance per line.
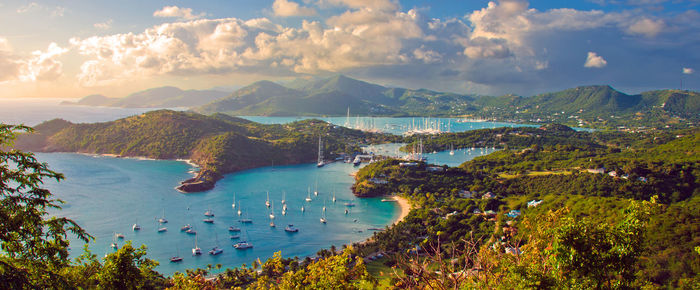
x=107, y=195
x=440, y=157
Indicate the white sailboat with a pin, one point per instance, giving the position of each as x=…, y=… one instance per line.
x=243, y=244
x=291, y=229
x=162, y=220
x=320, y=153
x=114, y=242
x=177, y=257
x=272, y=211
x=334, y=196
x=196, y=251
x=452, y=150
x=323, y=217
x=136, y=226
x=284, y=195
x=246, y=219
x=267, y=201
x=209, y=213
x=216, y=250
x=316, y=187
x=324, y=205
x=233, y=205
x=308, y=194
x=303, y=209
x=239, y=208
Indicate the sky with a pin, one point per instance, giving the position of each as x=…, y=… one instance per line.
x=70, y=49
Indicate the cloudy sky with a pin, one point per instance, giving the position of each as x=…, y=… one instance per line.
x=74, y=48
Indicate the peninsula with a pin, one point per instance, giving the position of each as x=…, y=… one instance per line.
x=218, y=144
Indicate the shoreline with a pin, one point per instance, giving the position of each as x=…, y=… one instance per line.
x=404, y=206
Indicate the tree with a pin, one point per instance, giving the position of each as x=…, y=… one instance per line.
x=128, y=268
x=34, y=246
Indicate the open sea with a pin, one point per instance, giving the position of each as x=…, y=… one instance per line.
x=108, y=195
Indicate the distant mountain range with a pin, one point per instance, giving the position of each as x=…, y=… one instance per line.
x=334, y=96
x=163, y=97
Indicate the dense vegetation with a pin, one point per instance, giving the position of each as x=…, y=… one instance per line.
x=218, y=143
x=628, y=242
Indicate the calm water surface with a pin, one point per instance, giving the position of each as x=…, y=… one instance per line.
x=108, y=195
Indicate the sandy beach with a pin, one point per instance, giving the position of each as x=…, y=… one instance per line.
x=405, y=207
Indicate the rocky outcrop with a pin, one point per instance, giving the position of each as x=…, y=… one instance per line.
x=205, y=180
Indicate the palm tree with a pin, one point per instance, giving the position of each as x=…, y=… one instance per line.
x=218, y=267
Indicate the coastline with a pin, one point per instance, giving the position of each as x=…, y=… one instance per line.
x=405, y=208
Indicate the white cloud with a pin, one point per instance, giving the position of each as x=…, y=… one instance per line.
x=29, y=7
x=177, y=12
x=104, y=25
x=646, y=27
x=286, y=8
x=595, y=61
x=688, y=71
x=40, y=66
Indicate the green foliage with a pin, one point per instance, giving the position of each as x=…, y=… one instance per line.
x=34, y=245
x=128, y=268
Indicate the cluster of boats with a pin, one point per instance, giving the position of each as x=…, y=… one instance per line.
x=234, y=231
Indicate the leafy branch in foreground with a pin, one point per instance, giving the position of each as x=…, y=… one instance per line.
x=34, y=246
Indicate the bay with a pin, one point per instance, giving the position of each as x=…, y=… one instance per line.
x=108, y=195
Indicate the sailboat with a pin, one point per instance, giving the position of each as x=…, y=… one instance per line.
x=162, y=220
x=308, y=194
x=246, y=219
x=234, y=229
x=162, y=229
x=216, y=250
x=323, y=217
x=320, y=153
x=267, y=202
x=176, y=258
x=209, y=213
x=233, y=205
x=334, y=196
x=242, y=245
x=196, y=251
x=284, y=195
x=452, y=150
x=303, y=209
x=119, y=236
x=114, y=242
x=291, y=229
x=316, y=187
x=324, y=205
x=272, y=212
x=191, y=231
x=136, y=226
x=185, y=228
x=239, y=208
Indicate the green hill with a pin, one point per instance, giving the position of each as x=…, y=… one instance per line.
x=333, y=96
x=219, y=143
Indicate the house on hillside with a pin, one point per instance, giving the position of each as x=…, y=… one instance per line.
x=488, y=195
x=613, y=173
x=534, y=203
x=378, y=181
x=465, y=193
x=513, y=214
x=596, y=170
